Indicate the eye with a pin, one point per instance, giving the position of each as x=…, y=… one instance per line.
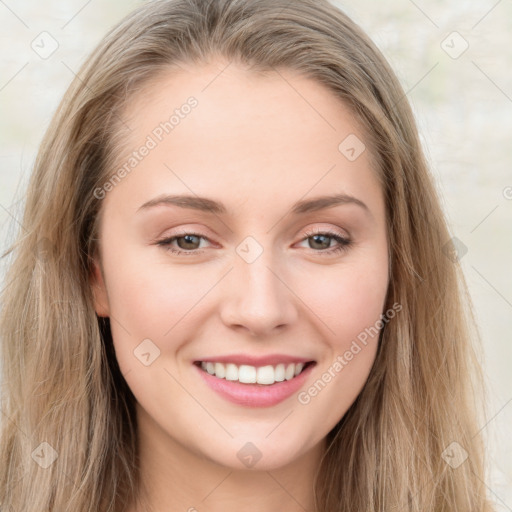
x=188, y=243
x=321, y=241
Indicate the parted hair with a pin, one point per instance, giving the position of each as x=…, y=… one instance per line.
x=61, y=383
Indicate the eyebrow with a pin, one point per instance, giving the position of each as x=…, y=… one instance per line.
x=212, y=206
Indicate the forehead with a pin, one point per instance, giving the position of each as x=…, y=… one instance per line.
x=247, y=133
x=232, y=93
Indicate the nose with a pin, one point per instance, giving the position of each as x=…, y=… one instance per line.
x=257, y=299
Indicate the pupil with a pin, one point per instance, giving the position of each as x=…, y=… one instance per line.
x=323, y=245
x=189, y=239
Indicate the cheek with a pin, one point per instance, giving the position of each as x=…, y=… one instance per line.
x=347, y=299
x=151, y=300
x=147, y=294
x=350, y=303
x=357, y=322
x=151, y=310
x=360, y=302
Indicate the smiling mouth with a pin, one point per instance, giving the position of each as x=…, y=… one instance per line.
x=247, y=374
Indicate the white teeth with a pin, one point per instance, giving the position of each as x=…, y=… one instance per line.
x=220, y=370
x=265, y=375
x=279, y=373
x=289, y=372
x=248, y=374
x=231, y=371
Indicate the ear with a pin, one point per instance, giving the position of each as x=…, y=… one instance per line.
x=99, y=290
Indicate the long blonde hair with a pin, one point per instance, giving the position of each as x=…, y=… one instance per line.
x=68, y=438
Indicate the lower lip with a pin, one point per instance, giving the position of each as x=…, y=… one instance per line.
x=255, y=395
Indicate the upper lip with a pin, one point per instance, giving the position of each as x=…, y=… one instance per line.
x=271, y=359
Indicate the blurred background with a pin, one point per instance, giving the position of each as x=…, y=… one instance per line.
x=454, y=59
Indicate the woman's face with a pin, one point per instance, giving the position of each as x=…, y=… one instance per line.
x=258, y=181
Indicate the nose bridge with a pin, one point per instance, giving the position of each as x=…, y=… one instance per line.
x=257, y=299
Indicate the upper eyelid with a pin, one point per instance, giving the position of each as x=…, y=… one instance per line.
x=329, y=231
x=201, y=231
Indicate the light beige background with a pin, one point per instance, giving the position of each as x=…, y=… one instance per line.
x=463, y=105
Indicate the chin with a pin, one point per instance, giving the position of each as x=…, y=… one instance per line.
x=260, y=452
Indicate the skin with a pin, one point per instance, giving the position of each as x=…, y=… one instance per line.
x=257, y=143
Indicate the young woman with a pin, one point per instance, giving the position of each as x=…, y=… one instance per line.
x=235, y=288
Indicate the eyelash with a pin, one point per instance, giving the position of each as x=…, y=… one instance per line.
x=343, y=243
